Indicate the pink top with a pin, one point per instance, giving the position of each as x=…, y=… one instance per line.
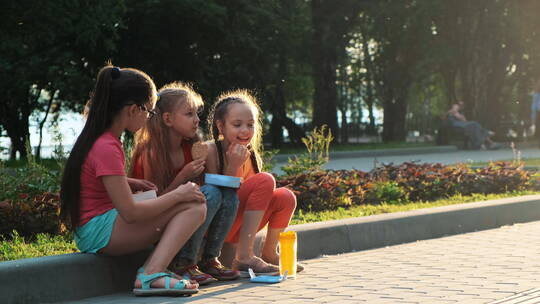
x=105, y=158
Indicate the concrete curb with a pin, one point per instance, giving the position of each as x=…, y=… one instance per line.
x=66, y=277
x=280, y=158
x=77, y=276
x=340, y=236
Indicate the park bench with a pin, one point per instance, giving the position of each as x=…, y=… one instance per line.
x=446, y=135
x=505, y=131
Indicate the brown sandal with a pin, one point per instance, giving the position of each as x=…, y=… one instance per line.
x=260, y=267
x=217, y=270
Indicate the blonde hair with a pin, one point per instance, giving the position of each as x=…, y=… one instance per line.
x=219, y=111
x=152, y=141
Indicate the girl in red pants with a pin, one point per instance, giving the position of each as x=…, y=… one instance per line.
x=235, y=121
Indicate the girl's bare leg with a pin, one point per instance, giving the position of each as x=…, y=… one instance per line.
x=250, y=224
x=269, y=252
x=228, y=252
x=171, y=230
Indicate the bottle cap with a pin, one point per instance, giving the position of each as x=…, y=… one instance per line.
x=288, y=235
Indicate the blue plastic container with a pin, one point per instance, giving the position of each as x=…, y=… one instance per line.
x=222, y=180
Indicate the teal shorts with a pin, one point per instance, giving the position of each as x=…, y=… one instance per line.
x=96, y=234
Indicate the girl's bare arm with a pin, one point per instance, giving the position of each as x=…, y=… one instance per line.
x=118, y=190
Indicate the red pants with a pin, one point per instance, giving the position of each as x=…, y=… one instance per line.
x=259, y=193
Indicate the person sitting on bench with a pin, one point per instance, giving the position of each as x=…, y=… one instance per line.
x=478, y=136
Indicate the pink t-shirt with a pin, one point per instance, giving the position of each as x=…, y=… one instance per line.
x=105, y=158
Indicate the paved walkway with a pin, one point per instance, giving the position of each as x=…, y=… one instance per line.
x=478, y=267
x=465, y=156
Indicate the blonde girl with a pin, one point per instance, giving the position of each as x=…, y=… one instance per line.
x=235, y=122
x=96, y=197
x=163, y=156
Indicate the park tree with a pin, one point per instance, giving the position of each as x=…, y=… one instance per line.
x=52, y=47
x=488, y=54
x=223, y=45
x=332, y=22
x=266, y=50
x=307, y=61
x=394, y=39
x=527, y=57
x=287, y=81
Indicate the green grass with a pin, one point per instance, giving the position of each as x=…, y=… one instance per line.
x=366, y=210
x=45, y=245
x=357, y=147
x=533, y=162
x=529, y=162
x=46, y=162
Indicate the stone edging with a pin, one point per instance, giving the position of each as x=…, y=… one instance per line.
x=76, y=276
x=376, y=231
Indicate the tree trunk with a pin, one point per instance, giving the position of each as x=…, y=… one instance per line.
x=324, y=66
x=16, y=124
x=395, y=111
x=371, y=129
x=279, y=111
x=325, y=98
x=370, y=85
x=296, y=133
x=344, y=127
x=42, y=124
x=344, y=102
x=18, y=131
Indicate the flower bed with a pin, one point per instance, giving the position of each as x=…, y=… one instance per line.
x=29, y=203
x=332, y=189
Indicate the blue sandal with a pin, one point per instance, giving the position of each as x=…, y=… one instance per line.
x=174, y=275
x=179, y=289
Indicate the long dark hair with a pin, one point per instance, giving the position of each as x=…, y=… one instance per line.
x=219, y=111
x=115, y=88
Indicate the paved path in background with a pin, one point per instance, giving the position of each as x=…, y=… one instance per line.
x=477, y=267
x=466, y=156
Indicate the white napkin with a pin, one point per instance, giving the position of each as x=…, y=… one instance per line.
x=142, y=196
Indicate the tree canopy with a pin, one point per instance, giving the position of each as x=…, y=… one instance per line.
x=311, y=62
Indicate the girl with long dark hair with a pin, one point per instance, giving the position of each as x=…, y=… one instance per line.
x=96, y=197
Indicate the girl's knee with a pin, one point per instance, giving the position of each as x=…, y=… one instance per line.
x=265, y=180
x=286, y=198
x=198, y=211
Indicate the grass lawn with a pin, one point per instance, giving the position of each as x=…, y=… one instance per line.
x=46, y=162
x=358, y=211
x=533, y=162
x=45, y=245
x=529, y=162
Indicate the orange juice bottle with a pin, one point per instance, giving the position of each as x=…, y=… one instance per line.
x=287, y=253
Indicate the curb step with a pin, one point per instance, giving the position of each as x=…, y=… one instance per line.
x=58, y=278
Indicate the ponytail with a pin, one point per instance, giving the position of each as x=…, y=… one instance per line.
x=115, y=88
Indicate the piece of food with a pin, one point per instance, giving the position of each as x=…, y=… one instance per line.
x=199, y=150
